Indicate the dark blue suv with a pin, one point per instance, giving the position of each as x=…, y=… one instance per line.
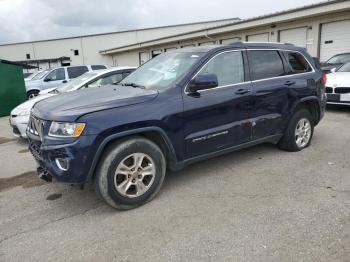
x=179, y=108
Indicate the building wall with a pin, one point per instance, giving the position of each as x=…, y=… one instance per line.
x=89, y=46
x=312, y=25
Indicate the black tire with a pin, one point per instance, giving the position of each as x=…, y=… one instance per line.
x=288, y=141
x=32, y=93
x=113, y=156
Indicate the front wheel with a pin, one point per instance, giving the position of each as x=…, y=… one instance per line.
x=299, y=132
x=130, y=173
x=33, y=93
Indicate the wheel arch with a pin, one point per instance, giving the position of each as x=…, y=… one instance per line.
x=312, y=104
x=154, y=134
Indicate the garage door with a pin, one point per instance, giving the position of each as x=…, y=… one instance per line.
x=230, y=40
x=258, y=38
x=296, y=36
x=335, y=39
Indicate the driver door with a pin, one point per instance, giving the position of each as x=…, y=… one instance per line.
x=218, y=118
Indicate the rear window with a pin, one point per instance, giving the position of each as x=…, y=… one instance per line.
x=98, y=67
x=76, y=71
x=297, y=63
x=265, y=64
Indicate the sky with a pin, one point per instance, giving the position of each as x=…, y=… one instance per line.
x=30, y=20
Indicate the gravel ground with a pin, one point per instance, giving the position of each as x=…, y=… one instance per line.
x=259, y=204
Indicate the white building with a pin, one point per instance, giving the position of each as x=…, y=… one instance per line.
x=86, y=49
x=323, y=29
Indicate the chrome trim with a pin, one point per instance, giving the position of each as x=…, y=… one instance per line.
x=57, y=161
x=253, y=81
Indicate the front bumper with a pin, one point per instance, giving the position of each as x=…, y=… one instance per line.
x=338, y=99
x=19, y=125
x=78, y=154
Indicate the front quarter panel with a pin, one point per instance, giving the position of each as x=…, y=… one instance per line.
x=164, y=113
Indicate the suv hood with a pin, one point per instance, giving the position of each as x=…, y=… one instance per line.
x=70, y=106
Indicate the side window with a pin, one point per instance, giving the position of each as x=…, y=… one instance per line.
x=228, y=67
x=55, y=75
x=76, y=71
x=265, y=64
x=98, y=67
x=297, y=63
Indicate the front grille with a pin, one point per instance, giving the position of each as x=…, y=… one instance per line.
x=35, y=150
x=329, y=90
x=342, y=90
x=36, y=126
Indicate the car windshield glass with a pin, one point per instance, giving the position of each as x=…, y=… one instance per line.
x=162, y=70
x=339, y=59
x=345, y=68
x=40, y=75
x=76, y=83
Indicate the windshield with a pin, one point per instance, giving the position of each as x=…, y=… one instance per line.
x=162, y=70
x=76, y=83
x=40, y=75
x=344, y=68
x=339, y=59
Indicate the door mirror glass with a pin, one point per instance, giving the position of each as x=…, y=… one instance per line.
x=202, y=82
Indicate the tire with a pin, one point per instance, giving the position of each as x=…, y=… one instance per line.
x=289, y=141
x=32, y=93
x=111, y=185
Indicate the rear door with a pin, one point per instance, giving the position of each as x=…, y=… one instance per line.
x=270, y=92
x=218, y=118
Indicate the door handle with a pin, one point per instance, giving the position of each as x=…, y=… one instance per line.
x=289, y=83
x=64, y=81
x=242, y=91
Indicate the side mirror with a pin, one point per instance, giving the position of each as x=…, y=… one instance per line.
x=47, y=79
x=333, y=70
x=202, y=82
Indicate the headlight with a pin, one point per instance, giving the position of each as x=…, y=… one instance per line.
x=61, y=129
x=23, y=111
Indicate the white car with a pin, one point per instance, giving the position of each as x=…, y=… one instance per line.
x=19, y=116
x=338, y=86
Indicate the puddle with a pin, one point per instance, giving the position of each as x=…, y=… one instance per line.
x=26, y=180
x=4, y=140
x=54, y=197
x=23, y=151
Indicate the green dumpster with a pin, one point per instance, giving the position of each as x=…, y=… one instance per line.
x=12, y=89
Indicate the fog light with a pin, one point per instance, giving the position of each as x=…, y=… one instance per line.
x=62, y=163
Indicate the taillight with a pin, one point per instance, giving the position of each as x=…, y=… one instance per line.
x=324, y=79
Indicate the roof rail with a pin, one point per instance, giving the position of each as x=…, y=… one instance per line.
x=274, y=43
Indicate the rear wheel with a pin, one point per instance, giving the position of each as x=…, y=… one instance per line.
x=130, y=173
x=33, y=93
x=299, y=132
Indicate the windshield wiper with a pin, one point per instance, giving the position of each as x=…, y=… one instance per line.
x=133, y=85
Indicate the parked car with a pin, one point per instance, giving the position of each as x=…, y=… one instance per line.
x=335, y=62
x=57, y=76
x=36, y=76
x=180, y=107
x=338, y=86
x=19, y=116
